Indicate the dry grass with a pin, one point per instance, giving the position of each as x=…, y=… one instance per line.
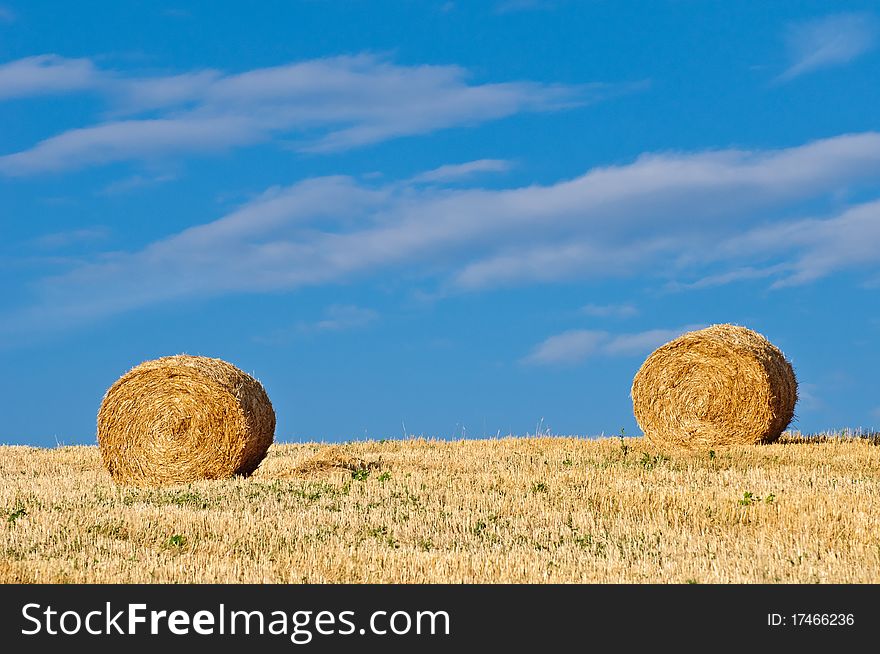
x=508, y=510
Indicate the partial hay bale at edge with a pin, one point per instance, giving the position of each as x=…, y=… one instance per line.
x=183, y=418
x=722, y=385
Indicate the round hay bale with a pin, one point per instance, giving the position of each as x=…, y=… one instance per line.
x=182, y=418
x=717, y=386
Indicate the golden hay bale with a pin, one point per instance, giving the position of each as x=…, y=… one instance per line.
x=717, y=386
x=182, y=418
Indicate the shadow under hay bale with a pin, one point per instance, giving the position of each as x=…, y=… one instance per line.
x=722, y=385
x=183, y=418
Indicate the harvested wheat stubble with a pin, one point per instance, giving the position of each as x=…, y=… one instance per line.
x=328, y=460
x=717, y=386
x=182, y=418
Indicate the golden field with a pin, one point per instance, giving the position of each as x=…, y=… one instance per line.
x=542, y=509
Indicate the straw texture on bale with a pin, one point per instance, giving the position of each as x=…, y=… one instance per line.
x=722, y=385
x=183, y=418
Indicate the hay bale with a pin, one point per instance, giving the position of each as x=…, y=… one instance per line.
x=717, y=386
x=182, y=418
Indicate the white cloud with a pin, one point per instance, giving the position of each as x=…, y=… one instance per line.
x=576, y=345
x=144, y=94
x=454, y=172
x=848, y=240
x=46, y=74
x=613, y=221
x=340, y=317
x=559, y=259
x=815, y=247
x=643, y=342
x=743, y=273
x=829, y=41
x=133, y=182
x=323, y=104
x=138, y=139
x=669, y=215
x=609, y=310
x=566, y=348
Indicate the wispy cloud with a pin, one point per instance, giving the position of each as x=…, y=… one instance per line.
x=46, y=74
x=133, y=182
x=643, y=342
x=669, y=215
x=829, y=41
x=325, y=105
x=340, y=317
x=131, y=139
x=133, y=95
x=816, y=247
x=576, y=345
x=739, y=274
x=609, y=310
x=613, y=221
x=567, y=348
x=455, y=172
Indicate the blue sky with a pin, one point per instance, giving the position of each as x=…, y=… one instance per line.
x=440, y=218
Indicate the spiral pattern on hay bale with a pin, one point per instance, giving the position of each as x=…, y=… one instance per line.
x=721, y=385
x=183, y=418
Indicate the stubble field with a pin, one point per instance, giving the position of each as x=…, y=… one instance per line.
x=545, y=509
